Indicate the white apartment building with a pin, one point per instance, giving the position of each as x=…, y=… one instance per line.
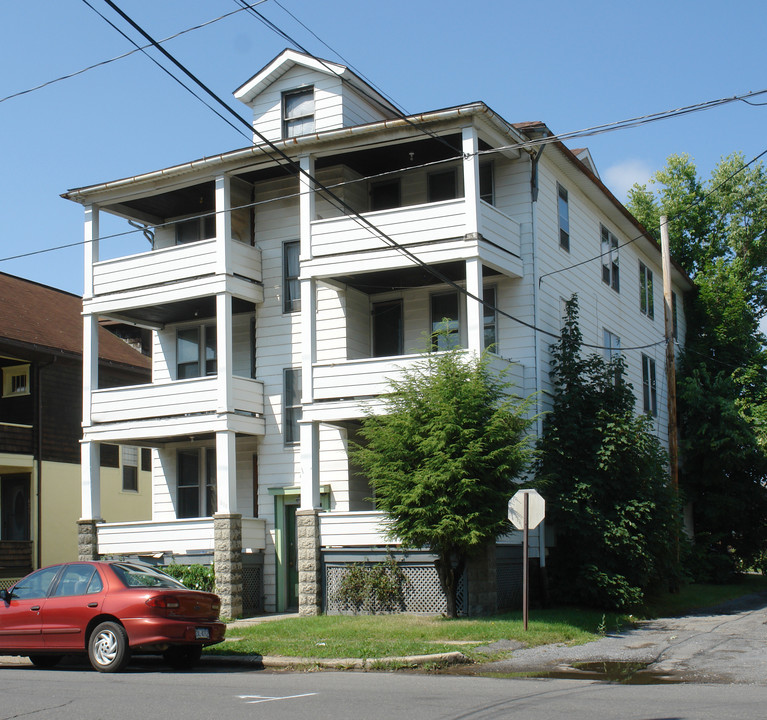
x=283, y=295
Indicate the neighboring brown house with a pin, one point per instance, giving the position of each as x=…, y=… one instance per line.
x=41, y=340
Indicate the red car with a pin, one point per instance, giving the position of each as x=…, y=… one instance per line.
x=107, y=609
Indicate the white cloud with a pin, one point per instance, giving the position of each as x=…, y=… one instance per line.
x=619, y=178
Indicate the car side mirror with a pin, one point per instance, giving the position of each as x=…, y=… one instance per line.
x=5, y=596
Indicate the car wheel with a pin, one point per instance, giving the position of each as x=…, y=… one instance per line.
x=108, y=648
x=45, y=661
x=183, y=657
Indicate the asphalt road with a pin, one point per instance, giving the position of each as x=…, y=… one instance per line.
x=727, y=644
x=148, y=690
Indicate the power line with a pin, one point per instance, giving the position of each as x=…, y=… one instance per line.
x=124, y=55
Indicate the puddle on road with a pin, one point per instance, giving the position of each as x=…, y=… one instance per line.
x=625, y=673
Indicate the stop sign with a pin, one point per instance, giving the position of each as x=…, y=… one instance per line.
x=536, y=509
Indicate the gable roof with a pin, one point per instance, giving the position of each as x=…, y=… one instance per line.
x=288, y=59
x=49, y=320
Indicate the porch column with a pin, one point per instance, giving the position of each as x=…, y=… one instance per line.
x=310, y=465
x=474, y=309
x=470, y=147
x=224, y=354
x=91, y=247
x=90, y=497
x=223, y=194
x=226, y=472
x=307, y=523
x=308, y=285
x=227, y=560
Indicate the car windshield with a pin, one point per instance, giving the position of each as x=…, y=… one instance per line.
x=144, y=576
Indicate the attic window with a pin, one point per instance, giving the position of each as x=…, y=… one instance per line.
x=16, y=380
x=298, y=112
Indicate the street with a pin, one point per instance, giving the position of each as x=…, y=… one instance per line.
x=149, y=690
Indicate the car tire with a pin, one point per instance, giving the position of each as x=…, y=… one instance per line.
x=108, y=648
x=183, y=657
x=45, y=661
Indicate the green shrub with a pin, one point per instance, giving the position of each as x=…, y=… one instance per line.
x=195, y=577
x=374, y=587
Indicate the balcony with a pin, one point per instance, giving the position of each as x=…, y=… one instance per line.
x=173, y=273
x=440, y=231
x=178, y=407
x=370, y=377
x=178, y=537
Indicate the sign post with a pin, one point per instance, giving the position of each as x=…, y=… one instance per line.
x=526, y=511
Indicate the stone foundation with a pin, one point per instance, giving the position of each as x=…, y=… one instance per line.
x=87, y=540
x=309, y=564
x=227, y=561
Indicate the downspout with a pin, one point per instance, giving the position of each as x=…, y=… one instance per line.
x=534, y=158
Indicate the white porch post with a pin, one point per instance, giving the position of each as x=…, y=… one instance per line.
x=224, y=353
x=90, y=480
x=474, y=310
x=91, y=246
x=226, y=472
x=308, y=286
x=470, y=147
x=310, y=465
x=223, y=225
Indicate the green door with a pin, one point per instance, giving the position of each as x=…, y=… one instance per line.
x=291, y=555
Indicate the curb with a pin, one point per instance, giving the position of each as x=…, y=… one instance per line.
x=285, y=663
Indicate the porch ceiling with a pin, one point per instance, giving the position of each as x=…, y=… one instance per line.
x=183, y=310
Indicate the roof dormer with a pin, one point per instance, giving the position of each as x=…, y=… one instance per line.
x=297, y=94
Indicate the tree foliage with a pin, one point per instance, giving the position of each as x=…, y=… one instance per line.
x=718, y=232
x=443, y=457
x=604, y=476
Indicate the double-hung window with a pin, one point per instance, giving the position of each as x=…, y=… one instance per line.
x=298, y=112
x=194, y=229
x=646, y=304
x=612, y=345
x=130, y=468
x=291, y=285
x=195, y=351
x=489, y=320
x=442, y=185
x=196, y=483
x=487, y=182
x=387, y=328
x=649, y=392
x=610, y=266
x=445, y=321
x=564, y=218
x=292, y=405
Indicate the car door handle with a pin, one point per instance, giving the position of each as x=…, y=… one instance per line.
x=35, y=608
x=93, y=604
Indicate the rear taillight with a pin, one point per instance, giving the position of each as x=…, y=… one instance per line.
x=166, y=602
x=215, y=607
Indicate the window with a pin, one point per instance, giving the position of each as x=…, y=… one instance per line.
x=292, y=403
x=36, y=585
x=441, y=186
x=146, y=459
x=196, y=483
x=487, y=183
x=612, y=345
x=650, y=400
x=674, y=319
x=385, y=195
x=610, y=269
x=109, y=455
x=564, y=218
x=298, y=112
x=130, y=469
x=78, y=579
x=15, y=380
x=195, y=351
x=387, y=328
x=445, y=321
x=291, y=285
x=489, y=320
x=646, y=305
x=194, y=229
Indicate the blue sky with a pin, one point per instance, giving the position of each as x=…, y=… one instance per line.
x=570, y=64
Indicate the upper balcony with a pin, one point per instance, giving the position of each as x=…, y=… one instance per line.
x=181, y=407
x=438, y=232
x=175, y=273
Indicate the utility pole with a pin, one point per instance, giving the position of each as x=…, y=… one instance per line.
x=673, y=450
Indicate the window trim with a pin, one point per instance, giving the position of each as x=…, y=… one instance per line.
x=611, y=269
x=646, y=291
x=291, y=302
x=297, y=120
x=563, y=217
x=291, y=413
x=649, y=386
x=10, y=373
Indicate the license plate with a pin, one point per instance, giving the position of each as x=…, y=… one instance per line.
x=202, y=634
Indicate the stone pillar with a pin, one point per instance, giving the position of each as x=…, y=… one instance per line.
x=482, y=582
x=87, y=540
x=309, y=566
x=227, y=561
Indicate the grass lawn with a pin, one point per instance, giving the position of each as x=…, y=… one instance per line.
x=376, y=636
